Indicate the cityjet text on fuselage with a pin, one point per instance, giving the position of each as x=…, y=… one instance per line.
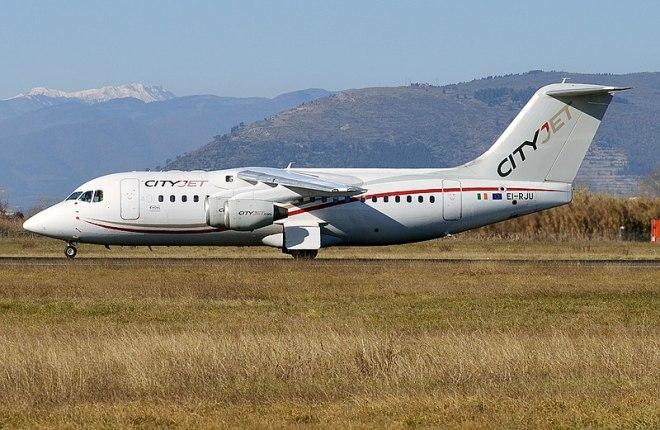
x=179, y=183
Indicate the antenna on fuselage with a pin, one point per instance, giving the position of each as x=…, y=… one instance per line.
x=289, y=166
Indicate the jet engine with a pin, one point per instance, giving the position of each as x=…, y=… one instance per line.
x=242, y=214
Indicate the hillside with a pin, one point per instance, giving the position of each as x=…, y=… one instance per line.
x=50, y=144
x=429, y=126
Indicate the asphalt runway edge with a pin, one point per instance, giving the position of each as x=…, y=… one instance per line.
x=210, y=261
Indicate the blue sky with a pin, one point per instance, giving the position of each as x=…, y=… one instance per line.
x=264, y=48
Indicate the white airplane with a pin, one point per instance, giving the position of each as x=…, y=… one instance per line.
x=528, y=169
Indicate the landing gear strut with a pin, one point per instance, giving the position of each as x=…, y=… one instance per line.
x=303, y=254
x=70, y=250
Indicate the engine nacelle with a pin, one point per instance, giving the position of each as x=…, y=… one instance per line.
x=242, y=214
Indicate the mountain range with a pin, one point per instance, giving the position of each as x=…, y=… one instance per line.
x=52, y=141
x=138, y=91
x=422, y=125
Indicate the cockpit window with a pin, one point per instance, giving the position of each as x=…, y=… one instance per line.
x=74, y=195
x=98, y=196
x=87, y=196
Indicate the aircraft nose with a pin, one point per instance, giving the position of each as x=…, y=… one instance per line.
x=35, y=223
x=52, y=222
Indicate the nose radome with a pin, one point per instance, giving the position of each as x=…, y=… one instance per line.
x=32, y=224
x=56, y=222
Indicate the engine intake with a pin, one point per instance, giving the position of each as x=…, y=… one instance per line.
x=242, y=214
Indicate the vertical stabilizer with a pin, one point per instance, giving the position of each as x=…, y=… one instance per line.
x=549, y=138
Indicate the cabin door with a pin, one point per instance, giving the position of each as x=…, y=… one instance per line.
x=452, y=203
x=130, y=198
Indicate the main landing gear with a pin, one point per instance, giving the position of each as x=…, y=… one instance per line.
x=70, y=251
x=303, y=254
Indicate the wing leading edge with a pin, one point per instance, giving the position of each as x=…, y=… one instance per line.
x=290, y=179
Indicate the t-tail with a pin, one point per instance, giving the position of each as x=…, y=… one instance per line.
x=549, y=138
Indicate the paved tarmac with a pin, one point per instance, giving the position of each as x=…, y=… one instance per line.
x=206, y=261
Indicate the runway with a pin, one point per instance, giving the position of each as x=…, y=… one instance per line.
x=207, y=261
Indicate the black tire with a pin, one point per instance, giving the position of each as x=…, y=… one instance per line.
x=304, y=254
x=70, y=251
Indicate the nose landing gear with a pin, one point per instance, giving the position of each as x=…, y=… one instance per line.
x=307, y=254
x=70, y=251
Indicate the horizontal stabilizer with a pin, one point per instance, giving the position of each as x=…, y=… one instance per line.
x=581, y=91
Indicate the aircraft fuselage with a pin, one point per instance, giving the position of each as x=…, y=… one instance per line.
x=398, y=206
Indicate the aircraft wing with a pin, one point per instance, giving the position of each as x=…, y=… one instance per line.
x=291, y=179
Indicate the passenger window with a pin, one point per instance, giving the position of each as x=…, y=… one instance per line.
x=87, y=196
x=347, y=199
x=386, y=199
x=420, y=199
x=312, y=199
x=397, y=199
x=432, y=199
x=160, y=199
x=98, y=196
x=195, y=199
x=74, y=195
x=172, y=198
x=409, y=199
x=324, y=199
x=184, y=199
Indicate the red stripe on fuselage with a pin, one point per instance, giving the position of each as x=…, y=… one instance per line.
x=151, y=231
x=407, y=192
x=530, y=189
x=327, y=205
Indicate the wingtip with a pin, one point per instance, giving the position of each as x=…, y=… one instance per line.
x=619, y=89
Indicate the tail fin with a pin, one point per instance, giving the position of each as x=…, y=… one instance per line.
x=548, y=139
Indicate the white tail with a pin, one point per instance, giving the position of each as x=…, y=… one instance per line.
x=548, y=139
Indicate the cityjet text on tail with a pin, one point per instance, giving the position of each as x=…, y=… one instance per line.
x=528, y=169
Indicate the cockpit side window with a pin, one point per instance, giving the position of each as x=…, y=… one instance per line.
x=98, y=196
x=74, y=195
x=87, y=196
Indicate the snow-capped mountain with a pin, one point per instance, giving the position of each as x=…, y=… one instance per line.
x=139, y=91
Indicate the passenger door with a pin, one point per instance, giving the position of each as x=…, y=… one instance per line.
x=130, y=198
x=452, y=201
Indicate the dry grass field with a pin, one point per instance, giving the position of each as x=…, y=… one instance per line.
x=331, y=343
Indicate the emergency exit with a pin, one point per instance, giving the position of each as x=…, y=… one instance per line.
x=452, y=200
x=130, y=198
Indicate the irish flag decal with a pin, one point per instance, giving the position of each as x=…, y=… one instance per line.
x=493, y=196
